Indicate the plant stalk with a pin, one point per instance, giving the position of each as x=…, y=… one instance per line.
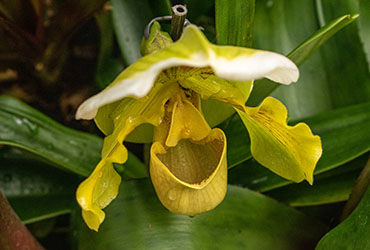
x=178, y=19
x=359, y=189
x=13, y=233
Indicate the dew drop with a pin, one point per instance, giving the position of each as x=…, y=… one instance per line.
x=72, y=142
x=32, y=127
x=269, y=3
x=18, y=121
x=259, y=180
x=363, y=219
x=187, y=132
x=172, y=195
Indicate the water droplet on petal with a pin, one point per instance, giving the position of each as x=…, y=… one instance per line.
x=187, y=132
x=172, y=195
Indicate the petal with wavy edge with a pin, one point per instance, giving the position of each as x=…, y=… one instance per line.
x=191, y=177
x=96, y=192
x=234, y=63
x=291, y=152
x=101, y=187
x=193, y=50
x=131, y=112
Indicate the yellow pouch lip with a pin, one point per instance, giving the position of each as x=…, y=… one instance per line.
x=184, y=198
x=158, y=148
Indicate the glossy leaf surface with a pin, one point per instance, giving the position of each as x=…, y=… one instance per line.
x=328, y=81
x=319, y=89
x=26, y=181
x=234, y=22
x=24, y=127
x=244, y=220
x=332, y=186
x=364, y=27
x=129, y=19
x=353, y=233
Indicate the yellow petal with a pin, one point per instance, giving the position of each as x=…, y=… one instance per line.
x=191, y=177
x=186, y=122
x=192, y=50
x=96, y=192
x=101, y=187
x=291, y=152
x=129, y=113
x=208, y=85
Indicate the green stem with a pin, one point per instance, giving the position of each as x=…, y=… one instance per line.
x=178, y=19
x=320, y=13
x=359, y=189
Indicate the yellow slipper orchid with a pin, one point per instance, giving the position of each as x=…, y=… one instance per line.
x=167, y=89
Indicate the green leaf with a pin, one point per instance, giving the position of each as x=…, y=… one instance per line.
x=316, y=40
x=27, y=128
x=364, y=27
x=344, y=135
x=234, y=22
x=245, y=220
x=239, y=149
x=327, y=83
x=329, y=187
x=282, y=34
x=25, y=181
x=108, y=67
x=24, y=127
x=353, y=233
x=129, y=19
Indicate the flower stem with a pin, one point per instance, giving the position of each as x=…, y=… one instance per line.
x=178, y=19
x=13, y=234
x=359, y=189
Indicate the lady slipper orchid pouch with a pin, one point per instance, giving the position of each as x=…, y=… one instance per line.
x=188, y=165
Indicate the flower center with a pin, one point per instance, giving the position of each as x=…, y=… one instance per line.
x=189, y=153
x=193, y=162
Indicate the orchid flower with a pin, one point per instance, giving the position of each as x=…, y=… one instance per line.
x=188, y=165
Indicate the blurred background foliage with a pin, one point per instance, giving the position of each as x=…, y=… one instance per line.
x=56, y=53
